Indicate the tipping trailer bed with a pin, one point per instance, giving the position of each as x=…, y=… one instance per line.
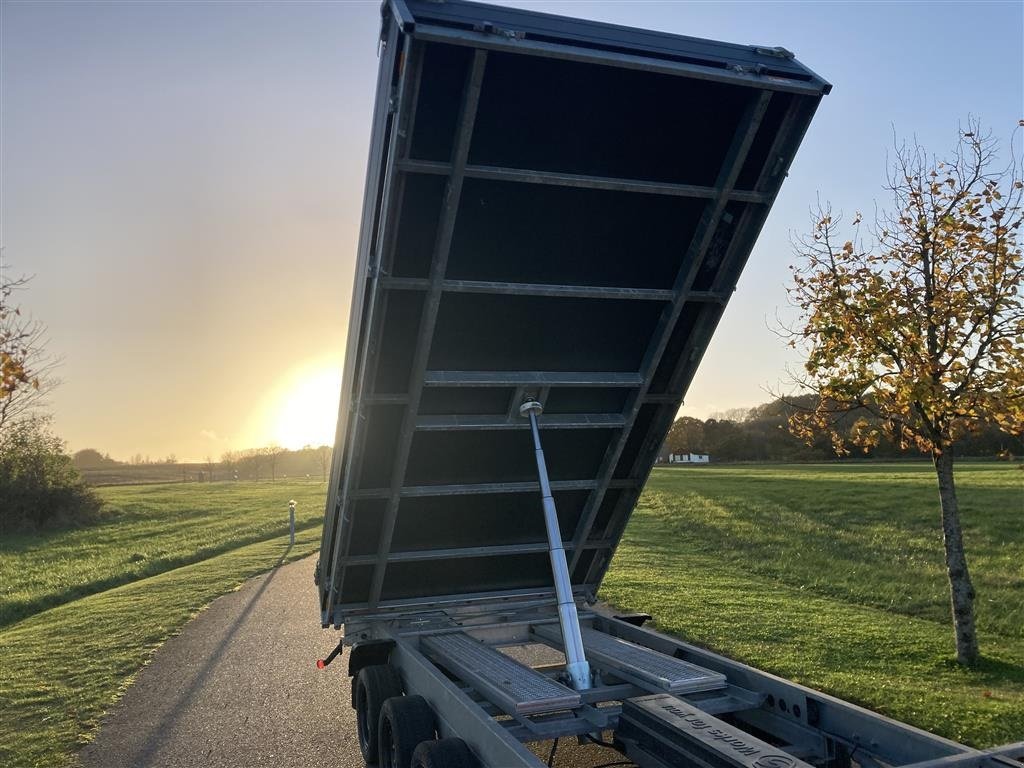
x=556, y=214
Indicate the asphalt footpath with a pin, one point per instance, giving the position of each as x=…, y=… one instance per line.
x=239, y=688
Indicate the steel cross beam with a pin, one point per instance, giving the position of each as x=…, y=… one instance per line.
x=788, y=139
x=532, y=379
x=713, y=211
x=1006, y=756
x=345, y=463
x=453, y=423
x=791, y=131
x=530, y=289
x=872, y=734
x=460, y=553
x=720, y=74
x=485, y=489
x=581, y=181
x=442, y=248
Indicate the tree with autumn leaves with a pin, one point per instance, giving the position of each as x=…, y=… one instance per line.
x=26, y=369
x=19, y=380
x=917, y=324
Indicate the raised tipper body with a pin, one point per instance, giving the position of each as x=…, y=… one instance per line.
x=556, y=215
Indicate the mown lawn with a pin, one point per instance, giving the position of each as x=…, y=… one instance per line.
x=830, y=575
x=146, y=530
x=833, y=575
x=119, y=590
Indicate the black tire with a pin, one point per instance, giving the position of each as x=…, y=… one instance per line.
x=443, y=753
x=374, y=685
x=405, y=721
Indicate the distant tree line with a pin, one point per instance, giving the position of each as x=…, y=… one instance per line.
x=270, y=462
x=762, y=434
x=273, y=461
x=89, y=458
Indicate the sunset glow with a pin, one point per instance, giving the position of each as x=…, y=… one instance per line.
x=306, y=410
x=227, y=231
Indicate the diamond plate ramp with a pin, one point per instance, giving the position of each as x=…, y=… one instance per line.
x=634, y=662
x=514, y=687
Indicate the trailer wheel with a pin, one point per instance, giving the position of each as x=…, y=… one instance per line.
x=405, y=721
x=443, y=753
x=374, y=685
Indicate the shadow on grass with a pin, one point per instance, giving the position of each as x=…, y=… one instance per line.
x=989, y=671
x=17, y=610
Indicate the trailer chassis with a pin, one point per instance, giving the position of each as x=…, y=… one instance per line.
x=802, y=726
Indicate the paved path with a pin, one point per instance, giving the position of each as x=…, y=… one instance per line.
x=239, y=688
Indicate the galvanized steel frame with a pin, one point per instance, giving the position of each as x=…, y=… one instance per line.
x=518, y=24
x=820, y=725
x=390, y=106
x=344, y=455
x=446, y=229
x=505, y=43
x=579, y=181
x=780, y=156
x=402, y=27
x=689, y=268
x=473, y=489
x=849, y=725
x=456, y=713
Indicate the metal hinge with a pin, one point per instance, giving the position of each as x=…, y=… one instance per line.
x=487, y=28
x=778, y=52
x=756, y=69
x=393, y=100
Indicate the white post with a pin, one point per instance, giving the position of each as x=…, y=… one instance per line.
x=291, y=522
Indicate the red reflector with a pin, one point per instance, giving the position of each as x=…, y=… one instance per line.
x=320, y=664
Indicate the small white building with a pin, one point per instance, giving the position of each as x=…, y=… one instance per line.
x=688, y=458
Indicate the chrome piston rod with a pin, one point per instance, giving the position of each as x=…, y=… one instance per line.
x=575, y=660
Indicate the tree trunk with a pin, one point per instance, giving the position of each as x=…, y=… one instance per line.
x=961, y=591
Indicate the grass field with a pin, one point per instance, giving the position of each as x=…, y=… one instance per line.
x=84, y=609
x=833, y=575
x=146, y=530
x=830, y=575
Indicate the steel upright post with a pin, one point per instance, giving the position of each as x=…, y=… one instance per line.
x=576, y=663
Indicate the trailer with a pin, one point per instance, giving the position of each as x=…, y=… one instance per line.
x=556, y=214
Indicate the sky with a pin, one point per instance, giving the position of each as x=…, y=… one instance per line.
x=184, y=180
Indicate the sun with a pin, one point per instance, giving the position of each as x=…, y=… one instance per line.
x=307, y=409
